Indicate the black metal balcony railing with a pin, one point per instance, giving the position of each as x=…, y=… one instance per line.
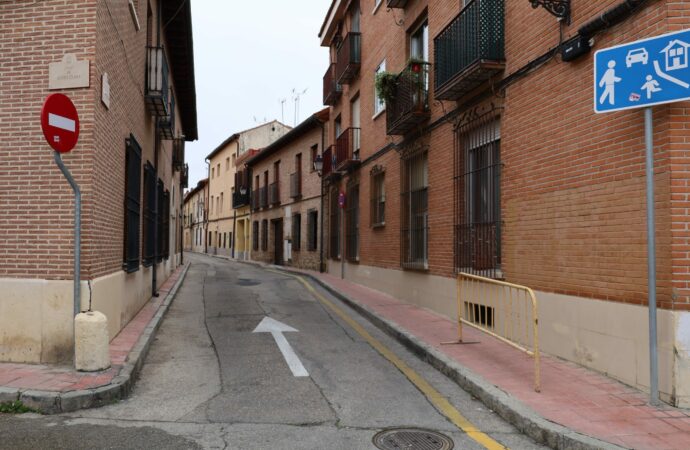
x=470, y=50
x=274, y=193
x=239, y=199
x=157, y=87
x=396, y=3
x=263, y=197
x=178, y=154
x=349, y=58
x=347, y=149
x=295, y=184
x=255, y=200
x=166, y=124
x=331, y=90
x=409, y=105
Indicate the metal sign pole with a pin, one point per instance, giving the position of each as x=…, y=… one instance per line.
x=651, y=258
x=77, y=234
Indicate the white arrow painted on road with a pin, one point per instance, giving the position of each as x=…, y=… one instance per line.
x=277, y=329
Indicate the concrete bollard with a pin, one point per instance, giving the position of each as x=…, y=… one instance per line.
x=92, y=350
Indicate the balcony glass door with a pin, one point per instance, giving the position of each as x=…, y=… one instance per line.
x=355, y=128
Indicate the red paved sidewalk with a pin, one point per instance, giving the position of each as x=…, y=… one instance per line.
x=575, y=397
x=66, y=379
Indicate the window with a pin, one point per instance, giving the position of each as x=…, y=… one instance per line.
x=379, y=103
x=419, y=42
x=213, y=171
x=227, y=163
x=210, y=238
x=352, y=222
x=264, y=235
x=211, y=204
x=312, y=230
x=255, y=235
x=378, y=198
x=149, y=214
x=132, y=205
x=414, y=211
x=164, y=207
x=218, y=169
x=233, y=160
x=229, y=239
x=220, y=210
x=314, y=152
x=334, y=224
x=296, y=231
x=478, y=196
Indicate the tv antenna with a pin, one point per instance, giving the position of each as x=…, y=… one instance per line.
x=295, y=97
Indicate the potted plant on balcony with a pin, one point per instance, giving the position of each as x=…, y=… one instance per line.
x=386, y=83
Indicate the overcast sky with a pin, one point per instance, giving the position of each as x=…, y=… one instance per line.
x=247, y=57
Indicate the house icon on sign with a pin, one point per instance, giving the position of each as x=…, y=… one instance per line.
x=676, y=55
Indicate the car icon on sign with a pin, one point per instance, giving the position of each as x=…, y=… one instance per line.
x=636, y=56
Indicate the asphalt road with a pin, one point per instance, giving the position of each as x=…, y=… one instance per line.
x=210, y=382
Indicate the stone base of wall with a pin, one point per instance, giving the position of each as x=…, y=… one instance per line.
x=36, y=315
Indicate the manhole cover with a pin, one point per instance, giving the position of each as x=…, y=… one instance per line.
x=412, y=439
x=247, y=282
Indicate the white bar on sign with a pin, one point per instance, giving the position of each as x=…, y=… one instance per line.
x=61, y=122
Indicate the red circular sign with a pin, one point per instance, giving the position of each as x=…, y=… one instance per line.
x=341, y=199
x=60, y=122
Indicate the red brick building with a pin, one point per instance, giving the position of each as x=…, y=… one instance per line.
x=480, y=152
x=285, y=194
x=132, y=81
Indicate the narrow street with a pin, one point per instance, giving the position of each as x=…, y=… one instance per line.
x=210, y=382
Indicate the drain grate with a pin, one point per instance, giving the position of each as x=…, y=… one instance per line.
x=412, y=439
x=247, y=282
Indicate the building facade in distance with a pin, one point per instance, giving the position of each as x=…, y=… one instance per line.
x=195, y=214
x=286, y=197
x=132, y=81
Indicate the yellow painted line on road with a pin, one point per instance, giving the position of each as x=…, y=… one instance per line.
x=435, y=397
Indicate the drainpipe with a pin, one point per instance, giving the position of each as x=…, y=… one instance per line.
x=208, y=193
x=321, y=212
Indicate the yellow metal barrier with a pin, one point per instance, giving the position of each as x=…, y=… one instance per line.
x=503, y=310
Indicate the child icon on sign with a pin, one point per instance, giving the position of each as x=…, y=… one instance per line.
x=651, y=86
x=609, y=80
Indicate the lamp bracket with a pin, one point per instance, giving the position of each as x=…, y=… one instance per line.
x=558, y=8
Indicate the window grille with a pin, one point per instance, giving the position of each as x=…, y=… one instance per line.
x=149, y=214
x=378, y=199
x=334, y=224
x=255, y=235
x=312, y=230
x=414, y=223
x=478, y=197
x=165, y=220
x=264, y=235
x=352, y=222
x=296, y=231
x=132, y=205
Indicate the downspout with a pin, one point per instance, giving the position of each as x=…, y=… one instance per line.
x=206, y=207
x=156, y=145
x=323, y=142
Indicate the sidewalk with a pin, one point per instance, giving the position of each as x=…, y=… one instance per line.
x=54, y=389
x=575, y=404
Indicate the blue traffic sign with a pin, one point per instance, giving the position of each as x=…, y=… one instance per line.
x=642, y=73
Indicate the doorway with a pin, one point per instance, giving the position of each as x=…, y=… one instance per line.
x=277, y=241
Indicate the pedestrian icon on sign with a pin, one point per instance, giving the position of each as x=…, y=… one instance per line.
x=609, y=80
x=651, y=86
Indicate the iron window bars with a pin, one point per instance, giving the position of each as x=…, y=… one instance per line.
x=132, y=205
x=414, y=220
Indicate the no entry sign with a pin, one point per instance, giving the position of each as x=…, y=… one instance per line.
x=60, y=122
x=341, y=199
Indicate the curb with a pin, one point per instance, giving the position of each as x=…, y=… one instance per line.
x=50, y=402
x=525, y=419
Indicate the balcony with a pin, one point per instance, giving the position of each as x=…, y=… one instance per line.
x=331, y=90
x=347, y=149
x=409, y=105
x=349, y=58
x=274, y=193
x=396, y=3
x=178, y=154
x=470, y=50
x=239, y=199
x=166, y=124
x=263, y=197
x=157, y=87
x=255, y=200
x=296, y=184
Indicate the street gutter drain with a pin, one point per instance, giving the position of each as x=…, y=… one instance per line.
x=411, y=439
